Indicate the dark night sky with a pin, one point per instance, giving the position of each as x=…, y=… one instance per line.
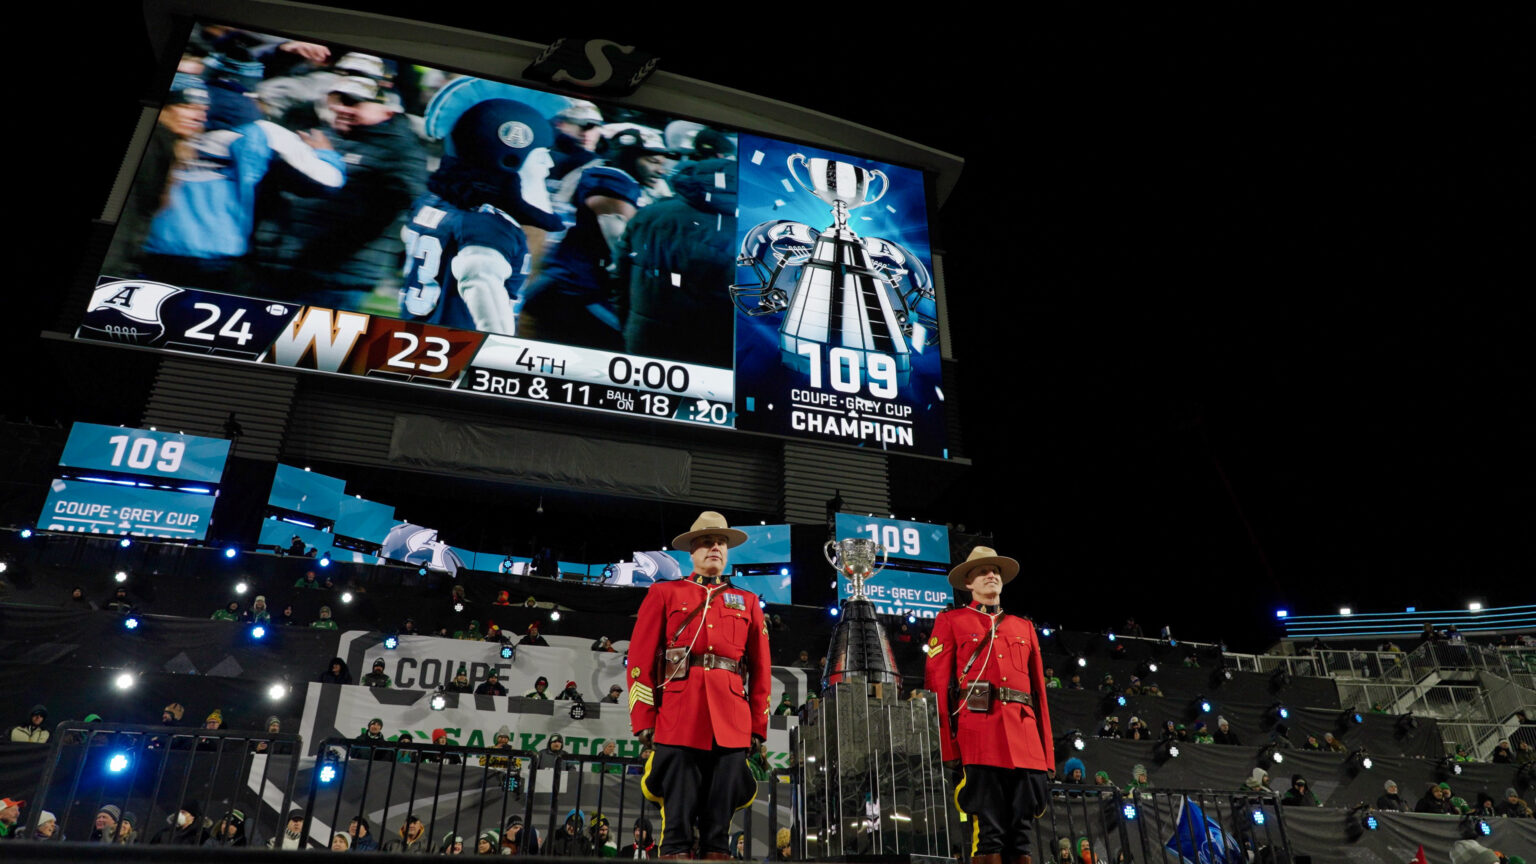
x=1242, y=300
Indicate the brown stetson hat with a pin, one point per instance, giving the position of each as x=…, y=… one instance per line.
x=979, y=556
x=709, y=522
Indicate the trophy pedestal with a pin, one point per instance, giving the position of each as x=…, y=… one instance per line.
x=872, y=776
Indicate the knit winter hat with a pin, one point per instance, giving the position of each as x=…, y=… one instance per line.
x=111, y=810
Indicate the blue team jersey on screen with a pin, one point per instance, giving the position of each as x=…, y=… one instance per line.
x=436, y=234
x=576, y=265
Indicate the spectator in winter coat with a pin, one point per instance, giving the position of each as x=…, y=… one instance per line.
x=1299, y=794
x=336, y=674
x=491, y=686
x=1258, y=781
x=362, y=835
x=551, y=752
x=32, y=732
x=185, y=829
x=106, y=823
x=1074, y=771
x=1513, y=805
x=1391, y=801
x=324, y=622
x=411, y=839
x=644, y=846
x=1502, y=755
x=230, y=612
x=1224, y=733
x=376, y=678
x=460, y=682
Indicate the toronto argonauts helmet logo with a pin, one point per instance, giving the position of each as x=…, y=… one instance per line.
x=128, y=311
x=515, y=134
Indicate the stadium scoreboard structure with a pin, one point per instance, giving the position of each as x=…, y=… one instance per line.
x=915, y=579
x=809, y=311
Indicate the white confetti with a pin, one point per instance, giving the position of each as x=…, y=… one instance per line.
x=866, y=218
x=719, y=179
x=787, y=188
x=778, y=202
x=890, y=208
x=757, y=157
x=919, y=337
x=677, y=280
x=940, y=392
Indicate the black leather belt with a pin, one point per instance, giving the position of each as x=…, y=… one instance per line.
x=715, y=661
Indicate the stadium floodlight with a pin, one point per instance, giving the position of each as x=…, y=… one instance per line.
x=131, y=622
x=834, y=611
x=230, y=551
x=1351, y=717
x=1360, y=760
x=1151, y=666
x=258, y=632
x=391, y=642
x=1165, y=750
x=1359, y=820
x=1081, y=661
x=1473, y=827
x=1270, y=754
x=325, y=560
x=1258, y=816
x=4, y=566
x=1045, y=631
x=1276, y=712
x=118, y=763
x=328, y=769
x=783, y=571
x=911, y=618
x=1281, y=613
x=1202, y=704
x=762, y=604
x=1449, y=767
x=1345, y=610
x=1111, y=635
x=120, y=576
x=1474, y=606
x=506, y=652
x=346, y=596
x=1128, y=810
x=26, y=533
x=458, y=607
x=1077, y=740
x=439, y=700
x=277, y=691
x=421, y=571
x=125, y=542
x=124, y=680
x=554, y=614
x=241, y=587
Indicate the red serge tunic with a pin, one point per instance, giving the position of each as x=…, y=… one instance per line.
x=1010, y=735
x=709, y=706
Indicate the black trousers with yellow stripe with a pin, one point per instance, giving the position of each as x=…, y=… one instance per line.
x=697, y=790
x=1001, y=804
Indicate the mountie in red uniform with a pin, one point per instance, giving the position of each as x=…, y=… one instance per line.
x=1004, y=729
x=704, y=717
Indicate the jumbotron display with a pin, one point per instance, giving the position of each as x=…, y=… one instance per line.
x=309, y=206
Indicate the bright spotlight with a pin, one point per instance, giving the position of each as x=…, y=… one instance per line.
x=1278, y=757
x=439, y=701
x=4, y=566
x=241, y=587
x=125, y=542
x=1045, y=631
x=1205, y=706
x=1128, y=810
x=1370, y=822
x=26, y=533
x=1281, y=613
x=1078, y=742
x=258, y=632
x=1120, y=700
x=1111, y=637
x=1285, y=713
x=327, y=772
x=762, y=604
x=277, y=691
x=346, y=596
x=1173, y=750
x=1151, y=667
x=325, y=560
x=458, y=607
x=120, y=576
x=506, y=652
x=1082, y=661
x=1258, y=816
x=131, y=622
x=118, y=763
x=391, y=642
x=1474, y=606
x=230, y=551
x=1345, y=610
x=554, y=614
x=834, y=611
x=911, y=619
x=421, y=571
x=123, y=681
x=783, y=571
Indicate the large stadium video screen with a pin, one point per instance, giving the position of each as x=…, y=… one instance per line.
x=326, y=209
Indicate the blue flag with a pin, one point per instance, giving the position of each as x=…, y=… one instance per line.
x=1197, y=839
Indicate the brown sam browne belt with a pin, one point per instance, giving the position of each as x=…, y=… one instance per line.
x=715, y=661
x=1004, y=694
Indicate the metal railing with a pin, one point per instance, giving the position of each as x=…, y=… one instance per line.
x=464, y=791
x=151, y=773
